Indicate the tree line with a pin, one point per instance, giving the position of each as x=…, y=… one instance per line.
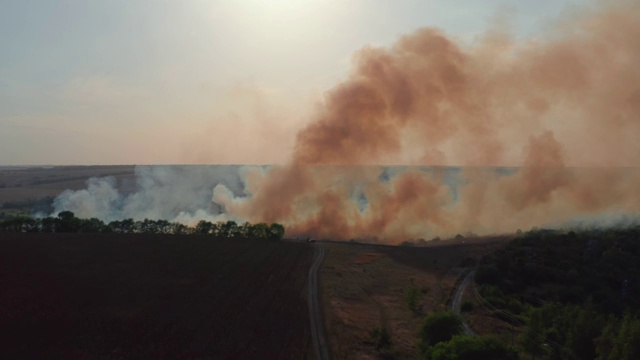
x=67, y=222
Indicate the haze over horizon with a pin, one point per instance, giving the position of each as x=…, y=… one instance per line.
x=341, y=83
x=193, y=82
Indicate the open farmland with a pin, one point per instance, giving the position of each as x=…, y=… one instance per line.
x=24, y=190
x=110, y=296
x=365, y=287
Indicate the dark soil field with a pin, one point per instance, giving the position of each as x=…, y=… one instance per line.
x=109, y=296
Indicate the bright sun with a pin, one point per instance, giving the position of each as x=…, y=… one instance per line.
x=285, y=9
x=277, y=22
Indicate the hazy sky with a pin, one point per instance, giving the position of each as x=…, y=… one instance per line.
x=198, y=81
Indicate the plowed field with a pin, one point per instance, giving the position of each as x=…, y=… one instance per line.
x=112, y=296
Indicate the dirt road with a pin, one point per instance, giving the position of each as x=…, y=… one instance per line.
x=457, y=301
x=320, y=345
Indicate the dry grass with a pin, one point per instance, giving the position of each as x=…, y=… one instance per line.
x=364, y=287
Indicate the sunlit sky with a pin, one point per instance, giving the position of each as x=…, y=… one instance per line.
x=197, y=81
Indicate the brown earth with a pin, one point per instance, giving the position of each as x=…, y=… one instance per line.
x=364, y=287
x=115, y=296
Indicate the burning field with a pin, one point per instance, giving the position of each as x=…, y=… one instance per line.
x=541, y=131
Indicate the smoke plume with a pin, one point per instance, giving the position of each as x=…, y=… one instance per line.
x=544, y=131
x=175, y=193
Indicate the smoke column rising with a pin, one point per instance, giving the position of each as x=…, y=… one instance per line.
x=571, y=98
x=564, y=108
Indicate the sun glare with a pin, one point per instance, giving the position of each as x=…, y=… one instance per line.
x=267, y=17
x=283, y=8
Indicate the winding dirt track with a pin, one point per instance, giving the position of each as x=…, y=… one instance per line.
x=318, y=338
x=457, y=301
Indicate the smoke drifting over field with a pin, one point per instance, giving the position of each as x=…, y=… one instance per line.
x=564, y=108
x=176, y=193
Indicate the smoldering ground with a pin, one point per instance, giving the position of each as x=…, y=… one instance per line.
x=564, y=108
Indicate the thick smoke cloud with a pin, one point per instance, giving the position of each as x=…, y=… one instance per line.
x=553, y=106
x=563, y=108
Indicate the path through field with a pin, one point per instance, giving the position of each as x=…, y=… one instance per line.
x=457, y=301
x=320, y=345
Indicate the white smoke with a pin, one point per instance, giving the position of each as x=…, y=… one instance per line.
x=453, y=204
x=175, y=193
x=99, y=199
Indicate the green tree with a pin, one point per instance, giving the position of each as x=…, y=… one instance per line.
x=67, y=222
x=147, y=226
x=606, y=341
x=259, y=231
x=245, y=230
x=126, y=226
x=488, y=274
x=48, y=225
x=439, y=327
x=20, y=224
x=472, y=348
x=177, y=228
x=92, y=225
x=164, y=226
x=31, y=225
x=204, y=227
x=620, y=340
x=276, y=231
x=586, y=325
x=532, y=340
x=229, y=229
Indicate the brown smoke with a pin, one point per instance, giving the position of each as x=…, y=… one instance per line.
x=555, y=106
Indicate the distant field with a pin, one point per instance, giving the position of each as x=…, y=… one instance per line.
x=31, y=183
x=365, y=287
x=108, y=296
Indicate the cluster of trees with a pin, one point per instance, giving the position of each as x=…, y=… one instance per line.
x=557, y=331
x=577, y=292
x=66, y=222
x=569, y=267
x=441, y=339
